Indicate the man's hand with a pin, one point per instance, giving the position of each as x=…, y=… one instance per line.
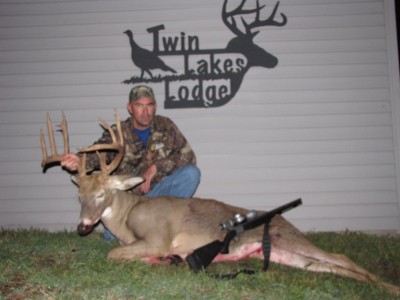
x=70, y=161
x=148, y=176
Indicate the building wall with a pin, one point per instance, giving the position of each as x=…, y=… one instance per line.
x=322, y=125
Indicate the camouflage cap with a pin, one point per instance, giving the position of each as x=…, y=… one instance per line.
x=141, y=91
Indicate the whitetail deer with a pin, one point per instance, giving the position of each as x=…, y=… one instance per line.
x=243, y=42
x=155, y=229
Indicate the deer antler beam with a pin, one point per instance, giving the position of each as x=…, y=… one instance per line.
x=117, y=144
x=238, y=10
x=270, y=20
x=230, y=15
x=54, y=156
x=229, y=18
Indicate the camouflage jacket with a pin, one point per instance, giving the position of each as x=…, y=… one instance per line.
x=166, y=147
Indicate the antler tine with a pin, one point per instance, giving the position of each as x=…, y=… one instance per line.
x=64, y=128
x=54, y=156
x=118, y=144
x=44, y=149
x=106, y=169
x=82, y=171
x=237, y=11
x=50, y=132
x=270, y=21
x=119, y=128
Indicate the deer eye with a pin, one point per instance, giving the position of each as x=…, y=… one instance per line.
x=100, y=196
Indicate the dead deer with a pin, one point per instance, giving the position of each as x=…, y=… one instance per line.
x=151, y=229
x=243, y=42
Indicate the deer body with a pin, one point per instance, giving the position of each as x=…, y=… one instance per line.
x=156, y=229
x=151, y=226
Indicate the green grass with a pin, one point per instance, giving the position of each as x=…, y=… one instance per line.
x=41, y=265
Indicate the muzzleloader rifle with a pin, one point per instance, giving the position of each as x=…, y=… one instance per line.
x=203, y=256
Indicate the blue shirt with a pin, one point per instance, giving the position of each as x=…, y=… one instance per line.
x=143, y=134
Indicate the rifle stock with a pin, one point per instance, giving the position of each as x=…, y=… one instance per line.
x=203, y=256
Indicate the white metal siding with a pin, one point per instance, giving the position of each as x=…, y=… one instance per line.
x=322, y=125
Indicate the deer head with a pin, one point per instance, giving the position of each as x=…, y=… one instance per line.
x=95, y=188
x=243, y=42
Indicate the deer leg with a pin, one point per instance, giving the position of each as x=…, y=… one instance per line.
x=163, y=260
x=320, y=261
x=139, y=249
x=143, y=251
x=291, y=248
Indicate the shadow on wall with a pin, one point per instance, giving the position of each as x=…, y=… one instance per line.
x=397, y=6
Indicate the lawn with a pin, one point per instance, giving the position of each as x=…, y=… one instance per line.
x=37, y=264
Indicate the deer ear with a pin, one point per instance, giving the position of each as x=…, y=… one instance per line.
x=124, y=183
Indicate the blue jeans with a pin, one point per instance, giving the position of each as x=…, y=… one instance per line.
x=182, y=183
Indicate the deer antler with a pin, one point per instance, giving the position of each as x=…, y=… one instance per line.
x=237, y=11
x=54, y=157
x=256, y=23
x=267, y=22
x=118, y=144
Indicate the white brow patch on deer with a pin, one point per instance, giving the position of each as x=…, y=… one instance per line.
x=100, y=198
x=107, y=212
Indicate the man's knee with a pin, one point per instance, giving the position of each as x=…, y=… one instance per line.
x=192, y=173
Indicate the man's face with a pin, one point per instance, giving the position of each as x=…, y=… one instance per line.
x=143, y=111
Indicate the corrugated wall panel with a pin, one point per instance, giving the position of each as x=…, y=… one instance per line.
x=321, y=125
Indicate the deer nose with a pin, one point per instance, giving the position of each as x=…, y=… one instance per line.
x=84, y=229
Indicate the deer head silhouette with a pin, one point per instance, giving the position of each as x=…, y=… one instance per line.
x=243, y=42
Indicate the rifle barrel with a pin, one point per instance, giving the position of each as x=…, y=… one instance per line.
x=269, y=215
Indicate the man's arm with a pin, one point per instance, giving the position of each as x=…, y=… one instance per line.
x=148, y=176
x=71, y=161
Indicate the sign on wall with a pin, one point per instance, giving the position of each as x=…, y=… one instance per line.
x=210, y=77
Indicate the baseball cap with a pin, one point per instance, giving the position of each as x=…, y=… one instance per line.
x=141, y=91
